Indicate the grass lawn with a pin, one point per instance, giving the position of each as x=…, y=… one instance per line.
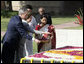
x=4, y=23
x=56, y=21
x=34, y=48
x=79, y=27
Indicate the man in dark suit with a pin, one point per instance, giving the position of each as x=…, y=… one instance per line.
x=15, y=31
x=41, y=11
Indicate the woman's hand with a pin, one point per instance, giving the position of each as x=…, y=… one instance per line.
x=37, y=41
x=47, y=33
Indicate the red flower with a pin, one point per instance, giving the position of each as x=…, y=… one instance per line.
x=79, y=19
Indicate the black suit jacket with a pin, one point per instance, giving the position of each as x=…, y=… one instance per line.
x=15, y=31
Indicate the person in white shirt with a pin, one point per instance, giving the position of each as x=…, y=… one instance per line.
x=29, y=43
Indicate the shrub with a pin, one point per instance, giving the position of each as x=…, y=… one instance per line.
x=8, y=14
x=79, y=16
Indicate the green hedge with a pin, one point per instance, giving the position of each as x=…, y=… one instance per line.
x=8, y=14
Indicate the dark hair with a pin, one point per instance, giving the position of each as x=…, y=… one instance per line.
x=43, y=16
x=28, y=6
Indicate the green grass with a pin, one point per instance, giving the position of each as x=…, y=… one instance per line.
x=8, y=14
x=79, y=27
x=56, y=21
x=4, y=23
x=34, y=47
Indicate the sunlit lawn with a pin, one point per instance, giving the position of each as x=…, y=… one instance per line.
x=34, y=47
x=4, y=23
x=62, y=20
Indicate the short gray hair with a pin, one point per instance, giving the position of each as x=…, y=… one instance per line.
x=22, y=10
x=41, y=8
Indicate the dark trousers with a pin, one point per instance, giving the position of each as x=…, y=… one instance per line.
x=8, y=52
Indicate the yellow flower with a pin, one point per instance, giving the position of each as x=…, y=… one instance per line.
x=78, y=57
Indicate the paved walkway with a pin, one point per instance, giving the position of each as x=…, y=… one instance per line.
x=66, y=25
x=67, y=37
